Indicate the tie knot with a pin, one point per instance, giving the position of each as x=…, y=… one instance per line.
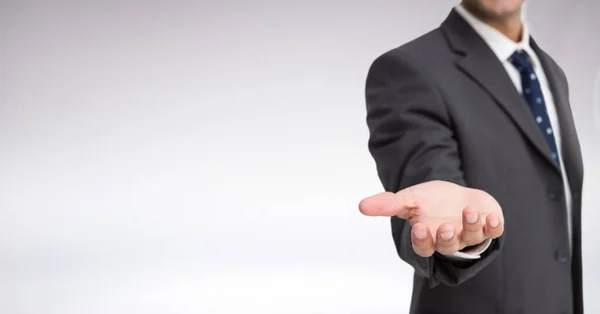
x=520, y=59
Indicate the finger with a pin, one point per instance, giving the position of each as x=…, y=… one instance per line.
x=472, y=232
x=447, y=241
x=422, y=240
x=494, y=226
x=388, y=204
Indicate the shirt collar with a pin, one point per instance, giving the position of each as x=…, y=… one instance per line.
x=502, y=46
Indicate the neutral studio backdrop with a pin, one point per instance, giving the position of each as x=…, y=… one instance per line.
x=209, y=156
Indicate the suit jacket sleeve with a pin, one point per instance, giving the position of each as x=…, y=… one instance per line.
x=412, y=141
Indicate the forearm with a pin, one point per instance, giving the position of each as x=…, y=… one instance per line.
x=412, y=142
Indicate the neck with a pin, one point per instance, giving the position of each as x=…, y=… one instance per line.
x=510, y=25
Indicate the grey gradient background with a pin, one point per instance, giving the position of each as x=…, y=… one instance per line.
x=208, y=157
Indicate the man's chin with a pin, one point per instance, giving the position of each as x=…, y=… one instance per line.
x=491, y=13
x=499, y=15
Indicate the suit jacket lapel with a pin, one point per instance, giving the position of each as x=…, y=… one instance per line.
x=570, y=150
x=480, y=63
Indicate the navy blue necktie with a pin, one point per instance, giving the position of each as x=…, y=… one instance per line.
x=532, y=92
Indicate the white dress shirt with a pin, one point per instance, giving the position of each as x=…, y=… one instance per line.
x=503, y=47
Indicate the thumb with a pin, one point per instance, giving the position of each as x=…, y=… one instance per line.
x=387, y=204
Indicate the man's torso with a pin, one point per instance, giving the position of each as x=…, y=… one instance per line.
x=533, y=274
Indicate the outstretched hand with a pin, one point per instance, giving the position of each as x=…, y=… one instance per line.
x=445, y=217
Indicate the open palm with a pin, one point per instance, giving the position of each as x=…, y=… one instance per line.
x=445, y=217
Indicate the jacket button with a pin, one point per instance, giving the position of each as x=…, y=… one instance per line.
x=562, y=256
x=553, y=193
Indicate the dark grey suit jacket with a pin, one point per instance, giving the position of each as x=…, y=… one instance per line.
x=442, y=107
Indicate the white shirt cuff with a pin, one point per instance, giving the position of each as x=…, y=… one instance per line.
x=474, y=253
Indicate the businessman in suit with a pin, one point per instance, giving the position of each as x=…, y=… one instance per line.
x=474, y=141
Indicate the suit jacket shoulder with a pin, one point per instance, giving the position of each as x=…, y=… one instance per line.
x=427, y=49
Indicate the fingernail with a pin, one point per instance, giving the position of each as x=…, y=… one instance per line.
x=420, y=234
x=447, y=235
x=472, y=218
x=494, y=222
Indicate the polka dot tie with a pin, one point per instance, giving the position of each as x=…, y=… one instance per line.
x=532, y=92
